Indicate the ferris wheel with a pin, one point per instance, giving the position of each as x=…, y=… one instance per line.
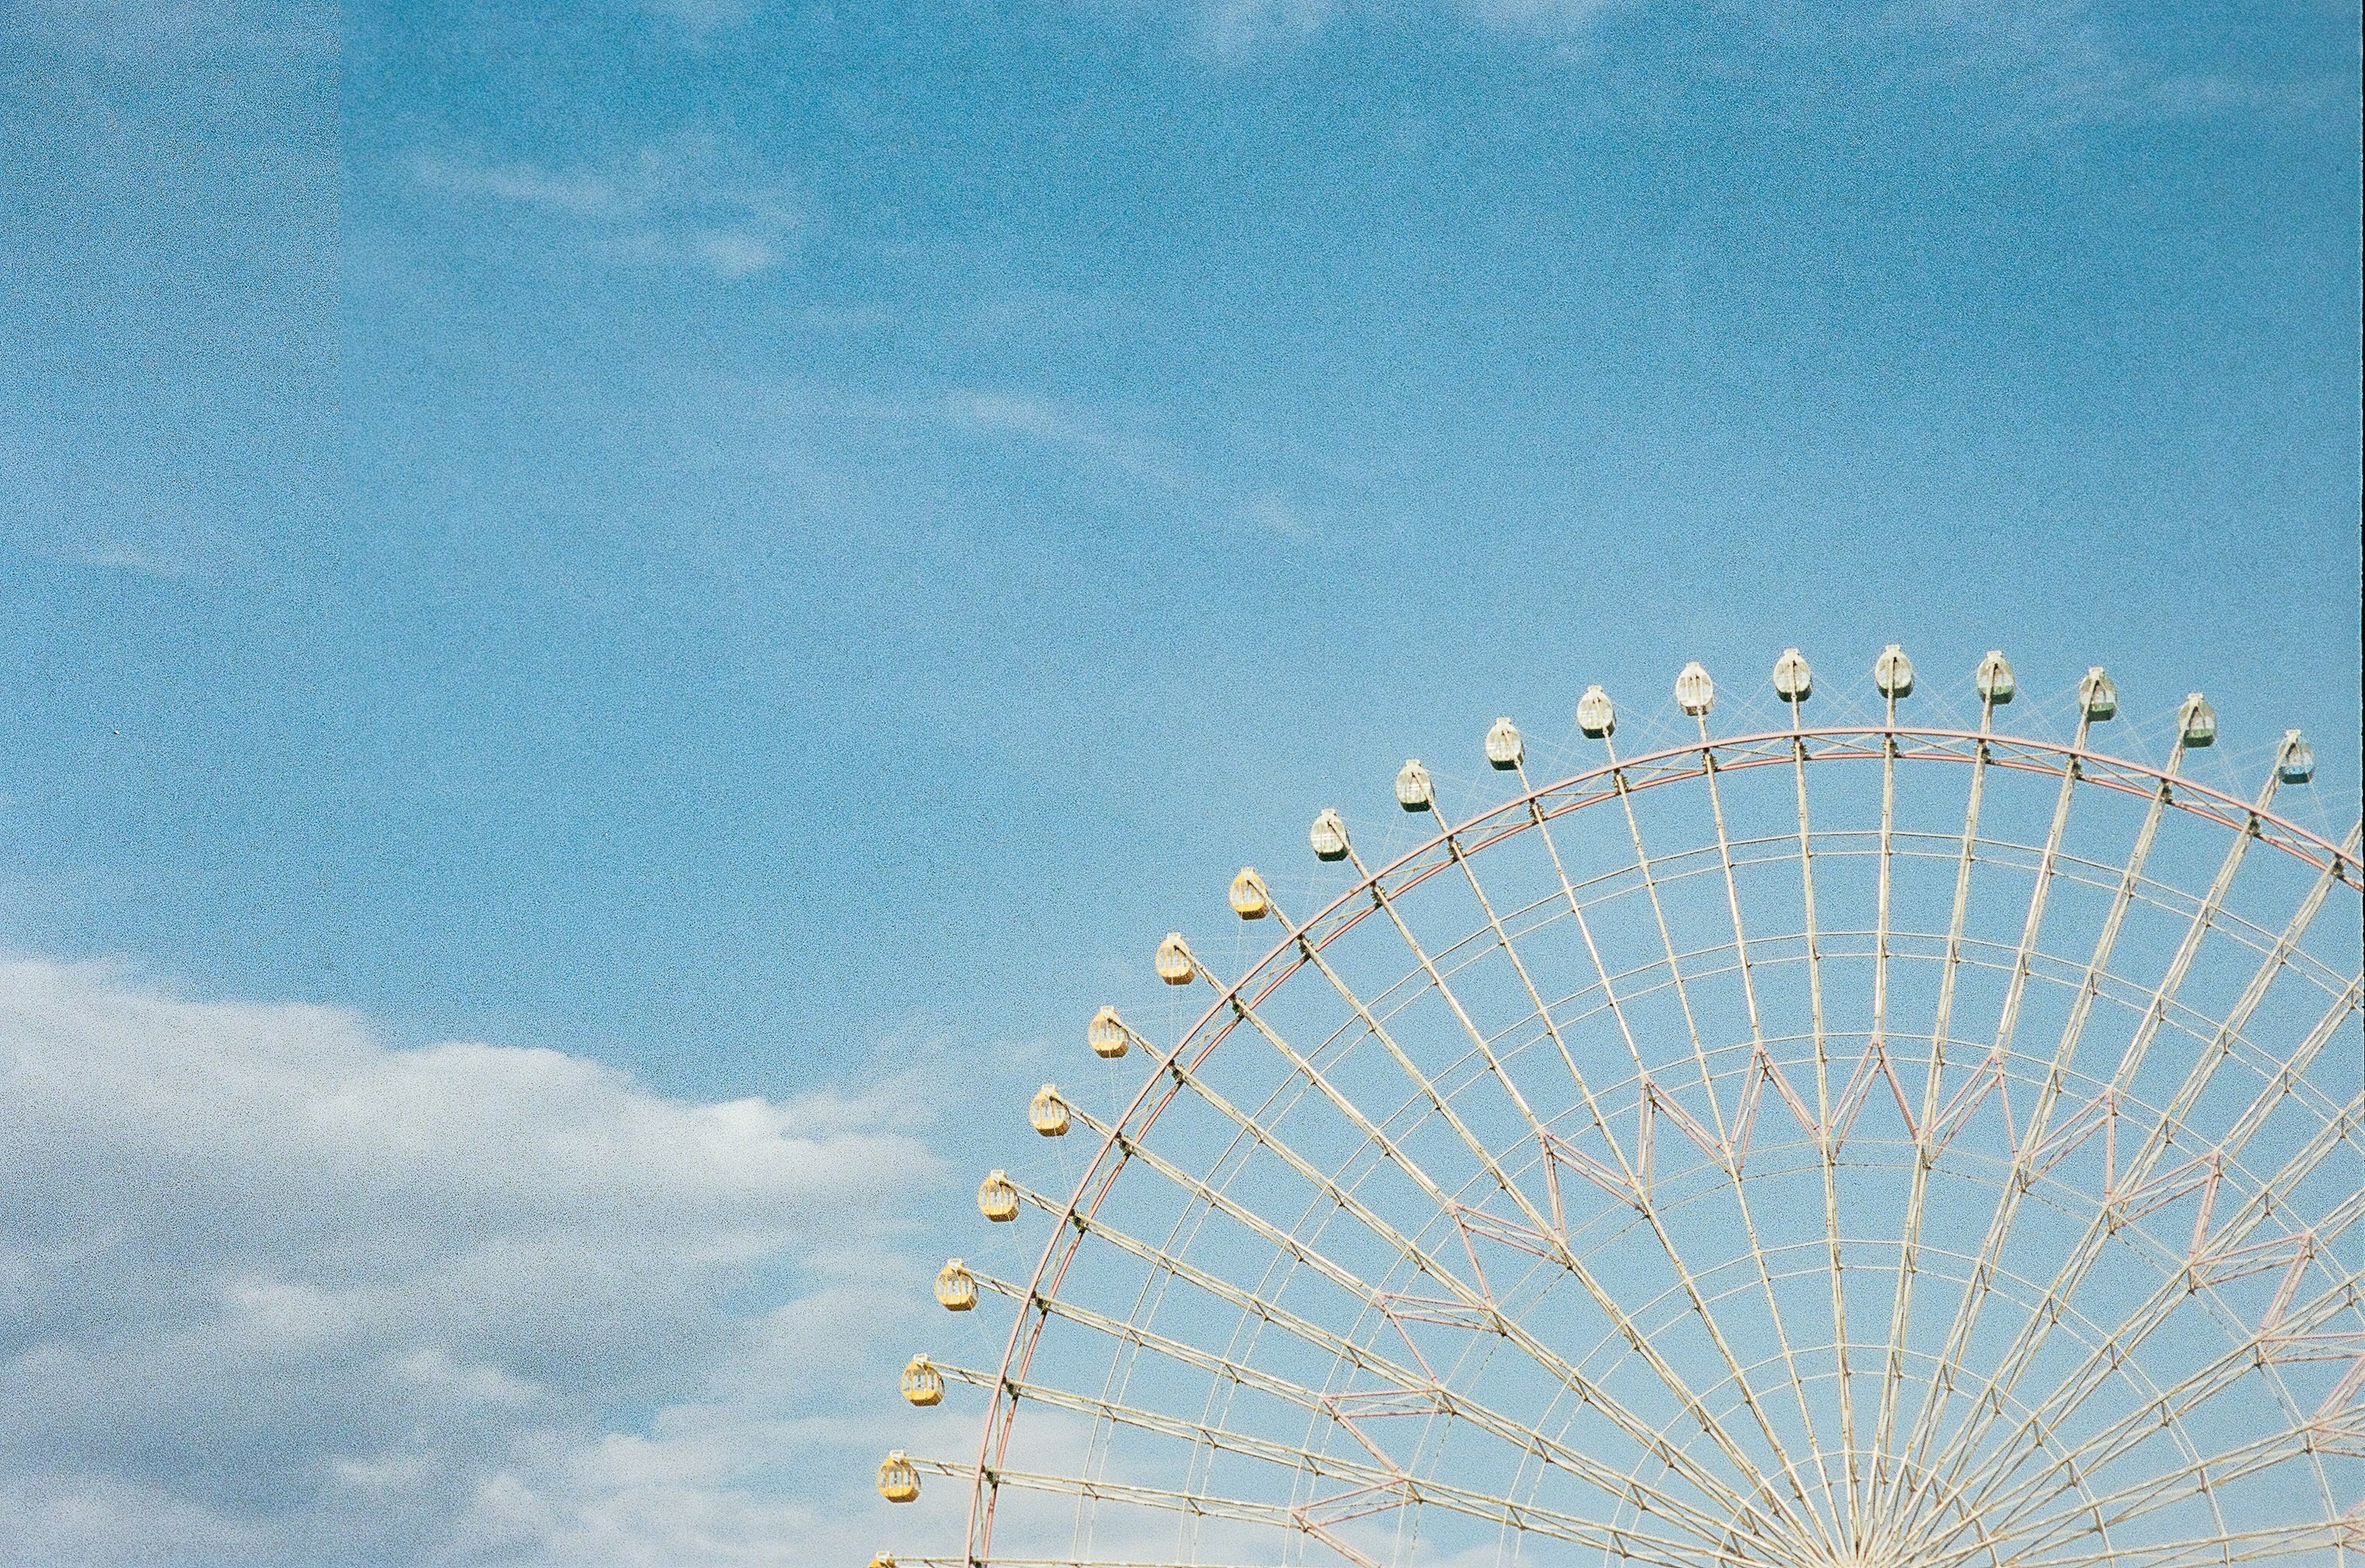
x=1857, y=1146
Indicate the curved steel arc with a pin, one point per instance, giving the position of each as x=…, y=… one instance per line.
x=1533, y=809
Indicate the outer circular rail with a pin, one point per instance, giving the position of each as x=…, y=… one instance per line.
x=1528, y=811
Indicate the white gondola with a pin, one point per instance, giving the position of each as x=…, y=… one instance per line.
x=1596, y=719
x=1994, y=680
x=1248, y=898
x=1413, y=790
x=1793, y=681
x=1329, y=837
x=1505, y=750
x=1892, y=673
x=2295, y=759
x=2098, y=696
x=1695, y=692
x=997, y=1198
x=2196, y=722
x=1175, y=965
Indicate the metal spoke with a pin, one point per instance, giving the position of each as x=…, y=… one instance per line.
x=1967, y=1310
x=1735, y=1153
x=2030, y=1334
x=1892, y=1377
x=2091, y=1244
x=1603, y=1298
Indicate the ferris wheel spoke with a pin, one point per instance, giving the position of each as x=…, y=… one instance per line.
x=2198, y=1476
x=1437, y=982
x=1585, y=929
x=1316, y=1518
x=1762, y=1063
x=1438, y=1102
x=2118, y=1509
x=1363, y=1358
x=2258, y=1352
x=1198, y=1504
x=1841, y=1515
x=1382, y=1476
x=1940, y=1390
x=1248, y=1302
x=1474, y=1296
x=1629, y=1183
x=2034, y=1328
x=2286, y=1542
x=2280, y=1086
x=2221, y=1044
x=1185, y=1353
x=2116, y=1201
x=1892, y=1377
x=1643, y=866
x=1829, y=1523
x=1826, y=1145
x=2030, y=1331
x=1543, y=1014
x=1549, y=1242
x=2228, y=1252
x=1425, y=1392
x=1603, y=1298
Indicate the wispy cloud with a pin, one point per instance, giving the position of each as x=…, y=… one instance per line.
x=2053, y=64
x=693, y=201
x=101, y=554
x=1064, y=425
x=1239, y=30
x=1146, y=460
x=2040, y=63
x=1232, y=29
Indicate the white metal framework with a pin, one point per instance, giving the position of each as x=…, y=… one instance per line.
x=1865, y=1147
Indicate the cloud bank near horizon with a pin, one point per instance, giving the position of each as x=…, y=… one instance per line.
x=272, y=1292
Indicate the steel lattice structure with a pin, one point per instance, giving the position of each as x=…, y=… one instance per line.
x=1863, y=1146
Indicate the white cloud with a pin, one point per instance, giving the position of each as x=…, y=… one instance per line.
x=692, y=201
x=274, y=1293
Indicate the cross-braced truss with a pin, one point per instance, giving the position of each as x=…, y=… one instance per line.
x=1828, y=1147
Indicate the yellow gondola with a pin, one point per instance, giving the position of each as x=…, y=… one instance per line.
x=923, y=1384
x=899, y=1479
x=956, y=1287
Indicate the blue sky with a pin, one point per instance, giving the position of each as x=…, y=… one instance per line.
x=741, y=541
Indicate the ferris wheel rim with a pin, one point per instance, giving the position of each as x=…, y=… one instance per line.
x=2074, y=763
